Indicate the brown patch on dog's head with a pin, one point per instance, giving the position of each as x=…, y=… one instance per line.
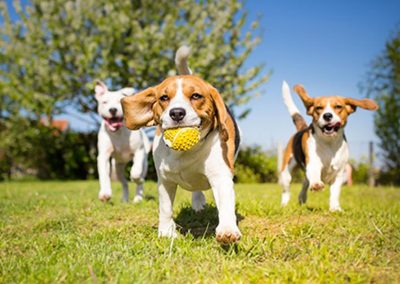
x=340, y=106
x=146, y=108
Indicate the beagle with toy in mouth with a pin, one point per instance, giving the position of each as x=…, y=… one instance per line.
x=188, y=101
x=319, y=148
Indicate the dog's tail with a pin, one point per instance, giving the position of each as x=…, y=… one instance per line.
x=181, y=60
x=294, y=112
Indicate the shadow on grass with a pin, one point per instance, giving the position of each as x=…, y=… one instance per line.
x=110, y=202
x=199, y=224
x=149, y=197
x=314, y=209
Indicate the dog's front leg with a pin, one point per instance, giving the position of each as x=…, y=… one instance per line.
x=335, y=189
x=166, y=195
x=313, y=174
x=103, y=167
x=227, y=231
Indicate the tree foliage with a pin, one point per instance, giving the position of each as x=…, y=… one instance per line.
x=54, y=49
x=383, y=83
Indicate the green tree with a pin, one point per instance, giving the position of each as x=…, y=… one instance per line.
x=383, y=83
x=54, y=49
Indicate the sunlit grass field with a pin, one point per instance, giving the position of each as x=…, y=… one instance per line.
x=58, y=232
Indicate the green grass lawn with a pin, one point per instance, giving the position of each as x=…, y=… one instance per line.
x=54, y=232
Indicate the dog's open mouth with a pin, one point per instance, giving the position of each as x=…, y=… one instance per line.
x=114, y=123
x=330, y=129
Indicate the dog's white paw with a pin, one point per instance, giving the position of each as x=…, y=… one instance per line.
x=228, y=234
x=167, y=230
x=137, y=199
x=317, y=186
x=285, y=198
x=104, y=197
x=335, y=208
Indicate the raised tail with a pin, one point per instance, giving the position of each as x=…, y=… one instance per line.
x=181, y=60
x=294, y=112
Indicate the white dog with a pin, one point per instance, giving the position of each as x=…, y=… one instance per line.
x=181, y=101
x=119, y=143
x=320, y=148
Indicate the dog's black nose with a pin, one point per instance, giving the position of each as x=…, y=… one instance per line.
x=177, y=113
x=113, y=111
x=327, y=116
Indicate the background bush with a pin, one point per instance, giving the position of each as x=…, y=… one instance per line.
x=254, y=165
x=33, y=149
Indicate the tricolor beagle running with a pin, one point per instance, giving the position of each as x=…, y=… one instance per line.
x=320, y=148
x=187, y=100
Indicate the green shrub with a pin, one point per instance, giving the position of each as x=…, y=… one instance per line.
x=32, y=148
x=360, y=171
x=253, y=165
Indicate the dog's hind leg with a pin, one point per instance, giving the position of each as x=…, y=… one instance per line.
x=138, y=172
x=284, y=180
x=120, y=171
x=303, y=192
x=198, y=201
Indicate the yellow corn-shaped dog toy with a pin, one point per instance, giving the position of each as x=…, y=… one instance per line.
x=182, y=139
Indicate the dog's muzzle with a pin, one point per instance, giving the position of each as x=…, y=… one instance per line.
x=114, y=123
x=331, y=128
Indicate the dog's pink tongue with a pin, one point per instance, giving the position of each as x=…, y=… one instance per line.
x=116, y=124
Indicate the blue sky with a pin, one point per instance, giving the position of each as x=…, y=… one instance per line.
x=325, y=45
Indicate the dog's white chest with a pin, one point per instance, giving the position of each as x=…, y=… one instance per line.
x=188, y=169
x=332, y=156
x=121, y=144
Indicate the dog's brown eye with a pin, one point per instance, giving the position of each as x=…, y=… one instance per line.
x=196, y=96
x=319, y=108
x=164, y=98
x=338, y=107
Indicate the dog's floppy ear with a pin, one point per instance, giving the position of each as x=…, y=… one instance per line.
x=226, y=127
x=100, y=89
x=352, y=104
x=138, y=109
x=307, y=100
